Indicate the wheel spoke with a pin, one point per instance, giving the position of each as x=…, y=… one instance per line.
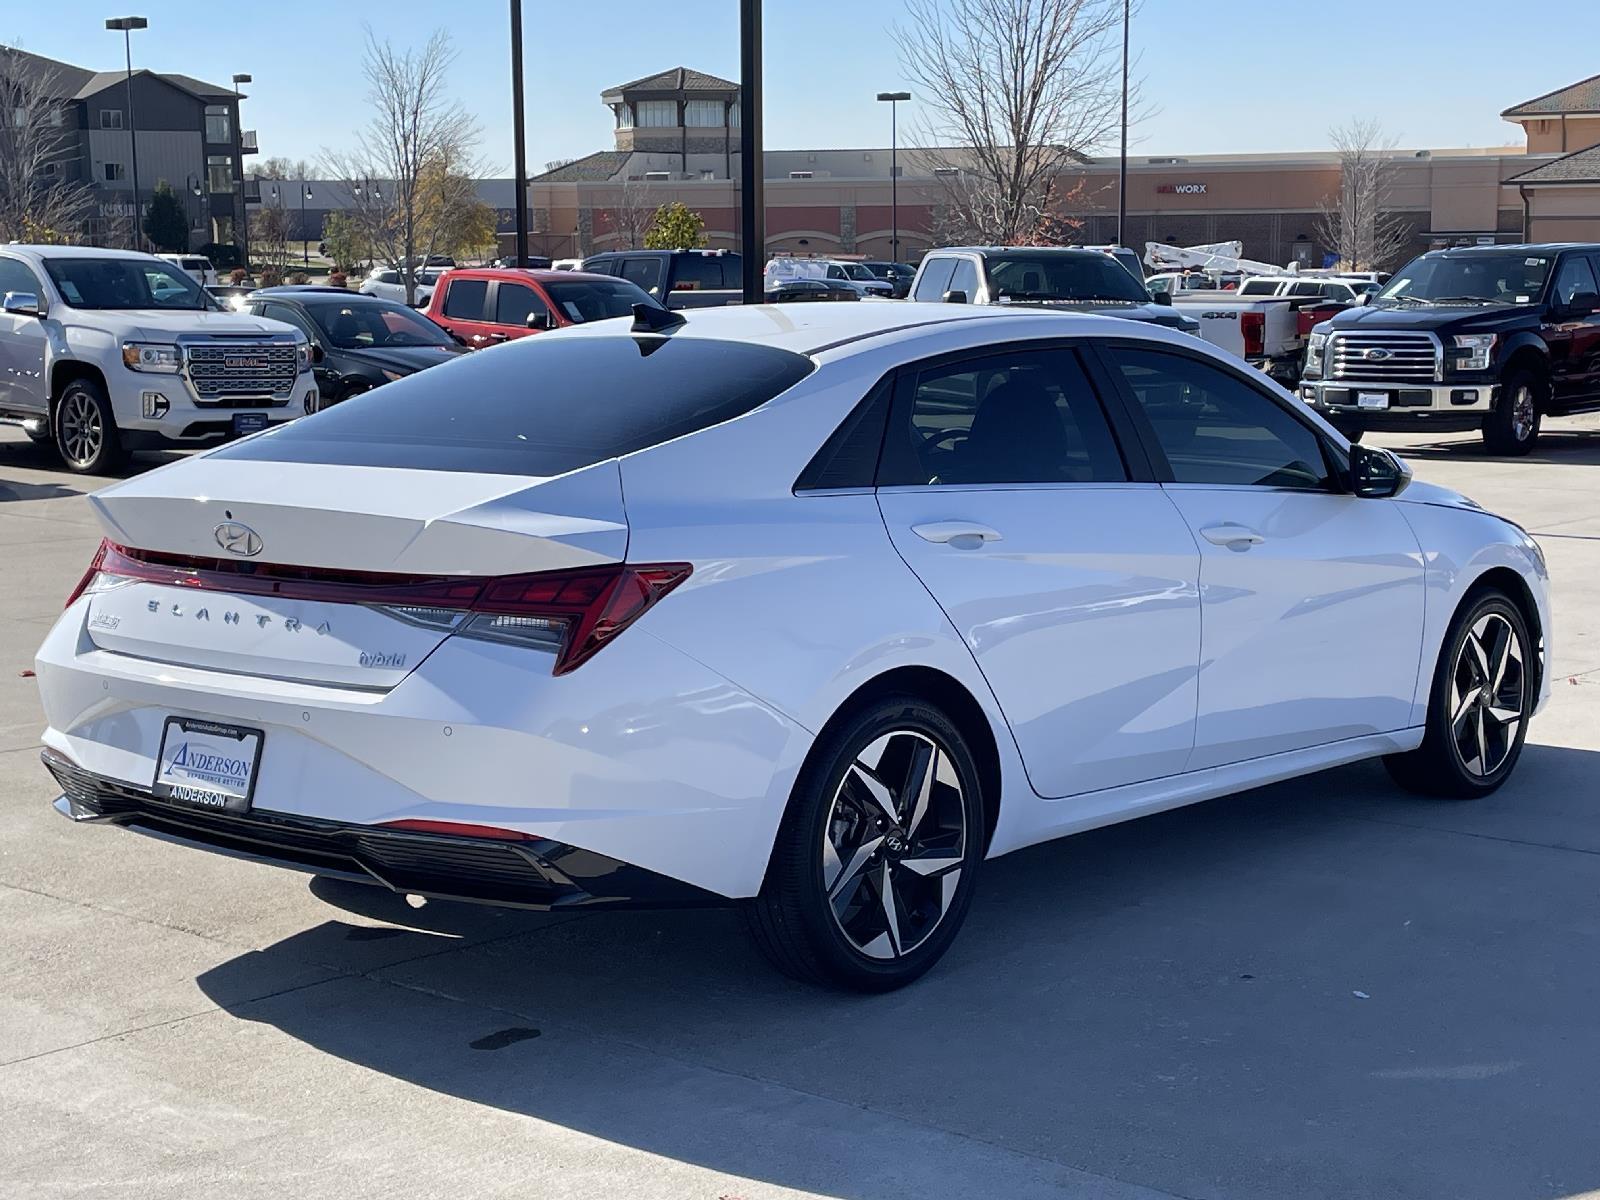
x=1480, y=659
x=852, y=871
x=881, y=795
x=1505, y=716
x=919, y=785
x=930, y=865
x=1483, y=745
x=891, y=916
x=1463, y=705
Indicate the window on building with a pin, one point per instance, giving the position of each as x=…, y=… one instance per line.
x=219, y=125
x=733, y=116
x=219, y=173
x=110, y=118
x=657, y=114
x=703, y=114
x=624, y=116
x=115, y=172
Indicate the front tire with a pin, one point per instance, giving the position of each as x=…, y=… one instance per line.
x=85, y=431
x=1483, y=693
x=1512, y=427
x=876, y=859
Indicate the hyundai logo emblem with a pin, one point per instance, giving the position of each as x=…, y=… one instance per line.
x=238, y=539
x=1376, y=354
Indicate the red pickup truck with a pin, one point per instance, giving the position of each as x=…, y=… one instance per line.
x=486, y=305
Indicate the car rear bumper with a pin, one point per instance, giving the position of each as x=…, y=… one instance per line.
x=523, y=873
x=642, y=756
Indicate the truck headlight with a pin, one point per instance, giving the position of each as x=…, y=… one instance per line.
x=151, y=356
x=1315, y=345
x=303, y=357
x=1474, y=350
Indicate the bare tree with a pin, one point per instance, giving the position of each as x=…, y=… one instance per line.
x=1358, y=224
x=269, y=237
x=631, y=215
x=1014, y=95
x=37, y=200
x=416, y=135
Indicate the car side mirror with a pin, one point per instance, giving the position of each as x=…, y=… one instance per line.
x=317, y=352
x=1161, y=298
x=22, y=304
x=539, y=320
x=1377, y=474
x=955, y=297
x=1581, y=304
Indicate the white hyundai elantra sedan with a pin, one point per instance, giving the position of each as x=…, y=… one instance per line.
x=811, y=608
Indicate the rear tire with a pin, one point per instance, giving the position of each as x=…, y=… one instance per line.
x=1512, y=427
x=876, y=860
x=1484, y=689
x=84, y=429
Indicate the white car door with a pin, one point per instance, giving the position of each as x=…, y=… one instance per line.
x=23, y=342
x=1312, y=598
x=1073, y=583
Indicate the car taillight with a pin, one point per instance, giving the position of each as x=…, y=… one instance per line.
x=571, y=614
x=88, y=576
x=1253, y=326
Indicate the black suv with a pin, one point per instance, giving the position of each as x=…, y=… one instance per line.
x=357, y=342
x=1058, y=277
x=1483, y=337
x=677, y=278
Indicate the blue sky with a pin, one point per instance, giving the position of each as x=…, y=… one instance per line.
x=1221, y=75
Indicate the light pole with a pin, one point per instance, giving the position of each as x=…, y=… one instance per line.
x=305, y=245
x=1122, y=169
x=244, y=198
x=894, y=99
x=126, y=26
x=197, y=190
x=519, y=150
x=752, y=168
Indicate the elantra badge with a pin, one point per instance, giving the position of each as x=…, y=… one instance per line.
x=238, y=539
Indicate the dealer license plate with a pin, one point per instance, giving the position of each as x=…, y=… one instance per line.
x=207, y=765
x=1372, y=399
x=249, y=422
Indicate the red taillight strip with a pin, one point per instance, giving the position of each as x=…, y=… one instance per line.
x=595, y=603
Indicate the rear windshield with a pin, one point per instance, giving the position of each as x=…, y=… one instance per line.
x=538, y=406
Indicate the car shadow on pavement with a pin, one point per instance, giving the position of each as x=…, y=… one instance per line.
x=1320, y=988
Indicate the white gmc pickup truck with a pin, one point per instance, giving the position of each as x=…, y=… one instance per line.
x=107, y=351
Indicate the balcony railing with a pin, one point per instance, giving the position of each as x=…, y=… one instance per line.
x=247, y=142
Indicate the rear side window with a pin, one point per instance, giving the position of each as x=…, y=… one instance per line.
x=697, y=272
x=539, y=406
x=1029, y=416
x=646, y=272
x=463, y=299
x=935, y=279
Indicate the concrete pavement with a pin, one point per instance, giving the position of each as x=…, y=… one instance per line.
x=1323, y=988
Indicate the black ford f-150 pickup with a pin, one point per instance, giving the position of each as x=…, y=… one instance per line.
x=1486, y=337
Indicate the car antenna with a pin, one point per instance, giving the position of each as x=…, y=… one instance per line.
x=653, y=318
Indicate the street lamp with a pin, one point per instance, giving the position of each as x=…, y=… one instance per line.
x=894, y=99
x=126, y=26
x=244, y=198
x=1122, y=169
x=519, y=150
x=305, y=246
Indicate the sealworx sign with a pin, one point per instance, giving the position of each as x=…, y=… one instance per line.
x=1182, y=189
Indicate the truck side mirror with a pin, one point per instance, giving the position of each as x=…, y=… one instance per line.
x=1581, y=304
x=539, y=320
x=1162, y=298
x=955, y=297
x=21, y=304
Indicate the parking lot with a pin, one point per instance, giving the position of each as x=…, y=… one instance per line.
x=1324, y=988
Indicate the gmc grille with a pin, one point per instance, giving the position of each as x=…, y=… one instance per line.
x=224, y=373
x=1380, y=357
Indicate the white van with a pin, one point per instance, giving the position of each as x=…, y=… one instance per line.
x=193, y=265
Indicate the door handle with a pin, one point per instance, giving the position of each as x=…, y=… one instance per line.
x=1235, y=537
x=966, y=535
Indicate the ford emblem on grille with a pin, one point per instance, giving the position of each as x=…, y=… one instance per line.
x=1376, y=354
x=238, y=539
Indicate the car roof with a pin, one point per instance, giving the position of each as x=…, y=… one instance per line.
x=1079, y=250
x=1519, y=248
x=34, y=250
x=812, y=328
x=289, y=291
x=537, y=274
